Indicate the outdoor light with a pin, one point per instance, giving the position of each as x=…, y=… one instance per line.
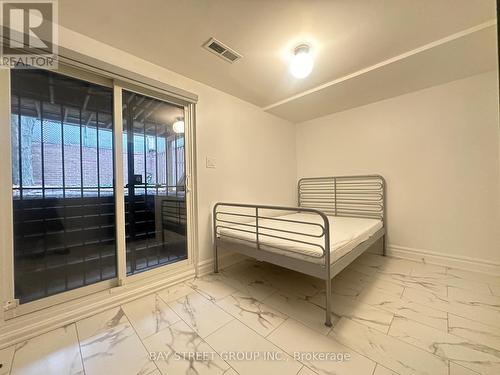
x=178, y=126
x=302, y=61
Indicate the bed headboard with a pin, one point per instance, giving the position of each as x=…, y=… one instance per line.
x=353, y=196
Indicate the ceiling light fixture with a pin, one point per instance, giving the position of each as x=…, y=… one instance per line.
x=302, y=61
x=178, y=126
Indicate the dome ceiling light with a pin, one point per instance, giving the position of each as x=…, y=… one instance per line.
x=302, y=62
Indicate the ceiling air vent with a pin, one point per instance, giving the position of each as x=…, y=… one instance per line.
x=221, y=50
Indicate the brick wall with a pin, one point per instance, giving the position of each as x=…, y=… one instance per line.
x=53, y=166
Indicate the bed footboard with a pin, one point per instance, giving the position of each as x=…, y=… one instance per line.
x=248, y=218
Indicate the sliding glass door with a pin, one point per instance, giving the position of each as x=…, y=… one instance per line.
x=99, y=186
x=62, y=183
x=155, y=176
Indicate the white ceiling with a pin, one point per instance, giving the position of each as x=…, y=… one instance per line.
x=352, y=41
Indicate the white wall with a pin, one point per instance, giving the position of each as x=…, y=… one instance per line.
x=255, y=151
x=439, y=151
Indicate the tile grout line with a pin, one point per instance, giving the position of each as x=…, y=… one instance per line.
x=168, y=303
x=401, y=341
x=204, y=338
x=12, y=359
x=230, y=367
x=417, y=303
x=447, y=360
x=457, y=364
x=284, y=351
x=242, y=322
x=215, y=351
x=264, y=337
x=211, y=333
x=80, y=347
x=15, y=352
x=390, y=324
x=414, y=346
x=233, y=317
x=337, y=341
x=275, y=328
x=304, y=325
x=139, y=337
x=349, y=347
x=194, y=330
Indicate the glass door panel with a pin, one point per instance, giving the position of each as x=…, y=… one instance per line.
x=155, y=174
x=63, y=183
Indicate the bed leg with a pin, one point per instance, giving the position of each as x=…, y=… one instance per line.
x=384, y=246
x=216, y=259
x=328, y=321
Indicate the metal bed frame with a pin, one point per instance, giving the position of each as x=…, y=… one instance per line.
x=362, y=196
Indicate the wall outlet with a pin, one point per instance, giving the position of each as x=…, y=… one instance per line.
x=211, y=162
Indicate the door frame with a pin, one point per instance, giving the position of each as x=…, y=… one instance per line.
x=190, y=167
x=10, y=308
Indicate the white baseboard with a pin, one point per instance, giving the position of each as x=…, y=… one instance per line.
x=441, y=259
x=24, y=327
x=225, y=260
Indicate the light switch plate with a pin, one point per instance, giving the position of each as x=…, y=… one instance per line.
x=211, y=162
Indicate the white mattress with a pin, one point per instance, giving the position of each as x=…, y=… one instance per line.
x=345, y=234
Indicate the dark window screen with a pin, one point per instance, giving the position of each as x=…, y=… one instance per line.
x=63, y=183
x=155, y=175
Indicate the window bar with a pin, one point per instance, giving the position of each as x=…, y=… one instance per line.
x=167, y=184
x=97, y=156
x=19, y=136
x=156, y=157
x=81, y=153
x=114, y=186
x=42, y=152
x=156, y=197
x=176, y=181
x=145, y=147
x=167, y=181
x=44, y=225
x=82, y=206
x=20, y=165
x=131, y=185
x=62, y=158
x=99, y=226
x=145, y=160
x=146, y=251
x=64, y=203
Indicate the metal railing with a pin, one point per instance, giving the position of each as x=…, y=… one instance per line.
x=349, y=196
x=253, y=226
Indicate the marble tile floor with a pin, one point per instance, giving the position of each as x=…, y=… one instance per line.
x=391, y=316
